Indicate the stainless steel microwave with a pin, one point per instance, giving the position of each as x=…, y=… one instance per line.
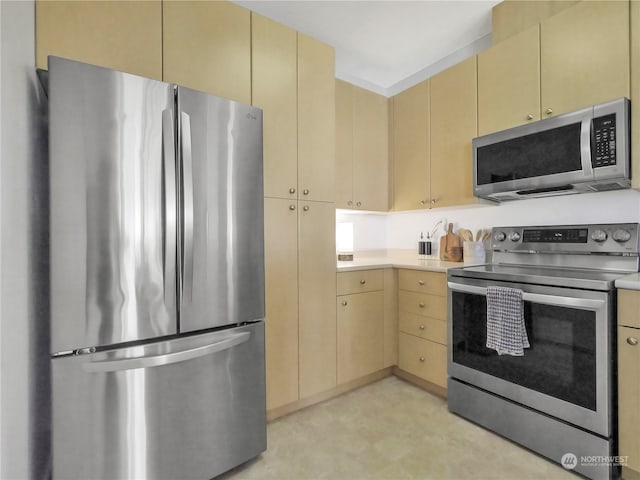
x=578, y=152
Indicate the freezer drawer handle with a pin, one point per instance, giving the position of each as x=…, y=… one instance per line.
x=105, y=366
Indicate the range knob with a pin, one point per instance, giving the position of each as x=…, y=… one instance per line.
x=499, y=236
x=621, y=236
x=599, y=236
x=514, y=236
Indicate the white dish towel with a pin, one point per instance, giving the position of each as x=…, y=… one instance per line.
x=506, y=332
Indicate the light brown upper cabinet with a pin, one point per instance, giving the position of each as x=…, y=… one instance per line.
x=454, y=123
x=411, y=148
x=274, y=90
x=207, y=47
x=316, y=120
x=362, y=145
x=509, y=82
x=584, y=52
x=125, y=36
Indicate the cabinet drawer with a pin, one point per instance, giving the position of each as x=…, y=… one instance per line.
x=434, y=329
x=629, y=308
x=423, y=358
x=434, y=283
x=422, y=304
x=360, y=281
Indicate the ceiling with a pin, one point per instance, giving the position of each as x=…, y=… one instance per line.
x=387, y=46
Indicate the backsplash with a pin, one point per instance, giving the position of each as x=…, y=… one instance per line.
x=401, y=230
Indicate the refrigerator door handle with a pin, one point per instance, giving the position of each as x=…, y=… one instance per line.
x=106, y=366
x=187, y=185
x=170, y=219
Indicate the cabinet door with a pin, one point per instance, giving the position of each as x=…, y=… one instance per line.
x=360, y=331
x=125, y=36
x=344, y=144
x=317, y=296
x=411, y=148
x=316, y=120
x=629, y=395
x=370, y=151
x=281, y=299
x=584, y=52
x=509, y=82
x=207, y=46
x=453, y=125
x=274, y=78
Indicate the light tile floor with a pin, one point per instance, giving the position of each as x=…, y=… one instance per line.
x=389, y=430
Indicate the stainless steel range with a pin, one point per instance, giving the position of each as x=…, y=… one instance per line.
x=559, y=397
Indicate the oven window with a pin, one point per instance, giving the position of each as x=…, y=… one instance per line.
x=561, y=361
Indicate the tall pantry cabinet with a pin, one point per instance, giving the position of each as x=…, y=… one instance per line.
x=293, y=82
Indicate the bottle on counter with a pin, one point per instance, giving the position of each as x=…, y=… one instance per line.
x=422, y=246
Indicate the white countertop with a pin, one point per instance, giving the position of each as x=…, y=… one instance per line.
x=369, y=263
x=630, y=282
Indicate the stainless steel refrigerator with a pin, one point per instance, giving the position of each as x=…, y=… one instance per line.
x=157, y=277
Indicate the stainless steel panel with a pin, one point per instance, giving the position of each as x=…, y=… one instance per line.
x=197, y=413
x=223, y=257
x=541, y=433
x=107, y=207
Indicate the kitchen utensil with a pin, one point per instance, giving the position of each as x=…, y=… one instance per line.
x=451, y=246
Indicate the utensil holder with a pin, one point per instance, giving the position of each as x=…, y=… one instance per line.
x=474, y=253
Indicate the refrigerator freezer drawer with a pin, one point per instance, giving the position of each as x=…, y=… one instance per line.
x=189, y=408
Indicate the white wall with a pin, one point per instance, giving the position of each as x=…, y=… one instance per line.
x=24, y=379
x=401, y=230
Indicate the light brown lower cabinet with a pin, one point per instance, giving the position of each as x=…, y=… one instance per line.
x=360, y=333
x=629, y=382
x=423, y=358
x=422, y=314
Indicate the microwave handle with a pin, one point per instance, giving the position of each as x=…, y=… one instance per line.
x=585, y=146
x=558, y=300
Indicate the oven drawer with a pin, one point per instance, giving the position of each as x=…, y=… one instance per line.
x=360, y=281
x=423, y=358
x=420, y=281
x=434, y=329
x=422, y=304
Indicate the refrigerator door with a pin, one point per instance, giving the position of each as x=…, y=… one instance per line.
x=189, y=408
x=222, y=244
x=113, y=206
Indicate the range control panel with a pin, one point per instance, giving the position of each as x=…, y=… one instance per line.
x=613, y=238
x=603, y=148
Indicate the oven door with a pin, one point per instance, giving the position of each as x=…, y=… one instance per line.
x=566, y=372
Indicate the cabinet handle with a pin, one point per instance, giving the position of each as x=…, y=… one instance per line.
x=632, y=341
x=358, y=204
x=349, y=203
x=344, y=303
x=305, y=191
x=292, y=207
x=422, y=202
x=292, y=190
x=362, y=282
x=548, y=111
x=434, y=201
x=530, y=116
x=422, y=305
x=422, y=359
x=305, y=208
x=420, y=282
x=421, y=327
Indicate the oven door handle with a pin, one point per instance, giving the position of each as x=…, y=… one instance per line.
x=562, y=301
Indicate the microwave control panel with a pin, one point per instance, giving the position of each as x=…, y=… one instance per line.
x=603, y=149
